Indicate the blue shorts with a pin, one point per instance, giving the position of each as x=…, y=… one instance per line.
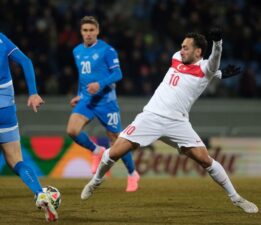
x=108, y=115
x=9, y=131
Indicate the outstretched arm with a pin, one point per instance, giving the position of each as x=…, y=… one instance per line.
x=215, y=56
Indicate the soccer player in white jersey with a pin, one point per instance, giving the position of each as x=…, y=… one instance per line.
x=166, y=116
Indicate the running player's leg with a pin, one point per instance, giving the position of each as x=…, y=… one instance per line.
x=120, y=148
x=109, y=116
x=81, y=116
x=10, y=143
x=74, y=130
x=189, y=143
x=13, y=156
x=219, y=175
x=144, y=130
x=133, y=176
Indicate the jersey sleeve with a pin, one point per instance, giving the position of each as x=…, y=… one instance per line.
x=213, y=61
x=10, y=46
x=111, y=58
x=112, y=61
x=218, y=74
x=26, y=63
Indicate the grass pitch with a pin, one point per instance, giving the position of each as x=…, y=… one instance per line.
x=182, y=201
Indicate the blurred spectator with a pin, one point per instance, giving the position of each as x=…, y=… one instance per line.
x=145, y=32
x=248, y=84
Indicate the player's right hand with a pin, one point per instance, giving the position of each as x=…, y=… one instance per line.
x=35, y=101
x=74, y=101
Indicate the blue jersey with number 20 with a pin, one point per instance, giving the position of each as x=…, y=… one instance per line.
x=96, y=64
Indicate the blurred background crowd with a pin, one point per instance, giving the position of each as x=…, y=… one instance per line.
x=145, y=33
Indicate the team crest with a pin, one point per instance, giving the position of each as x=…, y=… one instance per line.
x=95, y=56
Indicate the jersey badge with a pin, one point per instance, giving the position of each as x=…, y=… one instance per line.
x=95, y=56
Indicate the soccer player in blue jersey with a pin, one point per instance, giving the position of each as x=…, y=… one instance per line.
x=9, y=133
x=98, y=67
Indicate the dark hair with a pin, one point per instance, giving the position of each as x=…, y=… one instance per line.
x=199, y=41
x=91, y=20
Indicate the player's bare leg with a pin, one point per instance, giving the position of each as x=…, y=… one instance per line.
x=219, y=175
x=74, y=129
x=12, y=153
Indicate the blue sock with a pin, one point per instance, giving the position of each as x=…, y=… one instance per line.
x=83, y=140
x=128, y=162
x=28, y=177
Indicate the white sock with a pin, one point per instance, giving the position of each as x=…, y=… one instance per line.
x=104, y=166
x=218, y=174
x=133, y=173
x=97, y=149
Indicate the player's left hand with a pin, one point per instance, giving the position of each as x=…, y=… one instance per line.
x=230, y=70
x=215, y=34
x=93, y=88
x=35, y=101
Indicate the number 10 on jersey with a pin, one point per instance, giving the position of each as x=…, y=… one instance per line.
x=174, y=79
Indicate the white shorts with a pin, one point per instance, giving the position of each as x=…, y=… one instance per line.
x=149, y=127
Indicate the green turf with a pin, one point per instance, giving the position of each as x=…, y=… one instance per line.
x=186, y=201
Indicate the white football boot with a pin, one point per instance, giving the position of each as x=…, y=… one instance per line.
x=247, y=206
x=89, y=188
x=44, y=203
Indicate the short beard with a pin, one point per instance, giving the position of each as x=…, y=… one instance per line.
x=189, y=60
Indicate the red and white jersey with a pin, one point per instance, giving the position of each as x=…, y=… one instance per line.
x=183, y=84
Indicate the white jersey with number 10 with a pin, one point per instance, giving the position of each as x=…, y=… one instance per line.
x=183, y=84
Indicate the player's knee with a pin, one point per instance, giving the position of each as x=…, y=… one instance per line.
x=72, y=132
x=205, y=163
